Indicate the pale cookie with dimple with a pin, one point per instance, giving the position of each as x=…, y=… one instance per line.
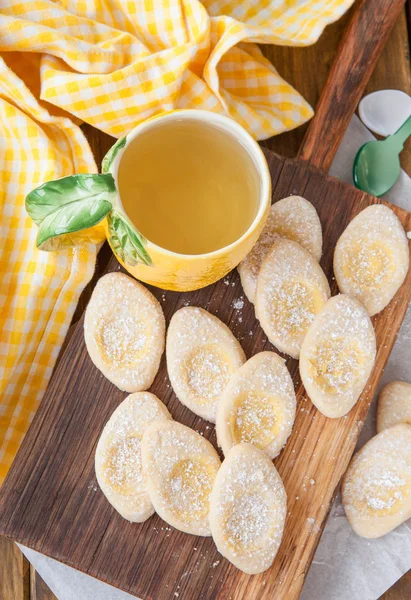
x=291, y=290
x=124, y=330
x=293, y=218
x=394, y=405
x=337, y=355
x=371, y=258
x=118, y=455
x=202, y=355
x=258, y=405
x=248, y=509
x=376, y=490
x=179, y=468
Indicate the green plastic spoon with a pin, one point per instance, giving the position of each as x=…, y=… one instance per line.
x=377, y=164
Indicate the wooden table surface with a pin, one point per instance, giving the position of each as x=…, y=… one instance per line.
x=306, y=69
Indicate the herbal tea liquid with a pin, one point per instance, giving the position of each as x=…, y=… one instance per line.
x=189, y=187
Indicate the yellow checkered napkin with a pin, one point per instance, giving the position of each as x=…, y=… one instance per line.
x=112, y=63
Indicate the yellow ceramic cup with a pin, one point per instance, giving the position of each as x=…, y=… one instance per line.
x=184, y=272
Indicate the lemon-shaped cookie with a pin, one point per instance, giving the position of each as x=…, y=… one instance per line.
x=376, y=490
x=291, y=290
x=118, y=455
x=294, y=218
x=124, y=330
x=337, y=355
x=371, y=258
x=257, y=406
x=202, y=355
x=394, y=405
x=179, y=468
x=248, y=509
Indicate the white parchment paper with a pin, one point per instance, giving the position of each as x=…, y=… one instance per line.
x=345, y=566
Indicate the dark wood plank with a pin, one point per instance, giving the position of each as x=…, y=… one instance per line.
x=50, y=501
x=400, y=590
x=307, y=69
x=360, y=47
x=38, y=589
x=14, y=572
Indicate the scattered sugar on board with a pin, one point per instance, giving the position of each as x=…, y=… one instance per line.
x=238, y=304
x=313, y=525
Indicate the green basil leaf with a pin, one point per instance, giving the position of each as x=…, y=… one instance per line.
x=53, y=195
x=111, y=154
x=126, y=241
x=70, y=218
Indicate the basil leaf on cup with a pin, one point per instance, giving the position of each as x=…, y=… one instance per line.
x=126, y=241
x=64, y=206
x=112, y=153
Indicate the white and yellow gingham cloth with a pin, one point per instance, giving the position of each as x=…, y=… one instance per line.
x=112, y=63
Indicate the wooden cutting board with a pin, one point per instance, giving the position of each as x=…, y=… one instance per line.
x=50, y=500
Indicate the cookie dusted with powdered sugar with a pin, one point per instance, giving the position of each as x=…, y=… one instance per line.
x=258, y=405
x=202, y=355
x=248, y=509
x=337, y=355
x=394, y=405
x=179, y=468
x=293, y=218
x=124, y=330
x=371, y=258
x=291, y=291
x=376, y=490
x=118, y=455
